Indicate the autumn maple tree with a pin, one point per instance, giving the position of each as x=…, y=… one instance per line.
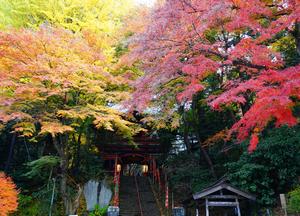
x=236, y=42
x=56, y=81
x=8, y=195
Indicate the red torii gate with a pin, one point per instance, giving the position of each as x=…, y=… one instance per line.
x=144, y=152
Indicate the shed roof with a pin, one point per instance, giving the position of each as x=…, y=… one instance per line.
x=219, y=185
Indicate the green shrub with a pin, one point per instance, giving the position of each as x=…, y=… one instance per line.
x=294, y=201
x=273, y=168
x=99, y=211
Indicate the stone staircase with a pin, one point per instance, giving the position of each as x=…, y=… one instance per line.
x=129, y=204
x=148, y=202
x=128, y=197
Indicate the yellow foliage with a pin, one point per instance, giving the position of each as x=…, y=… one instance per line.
x=60, y=51
x=25, y=129
x=100, y=17
x=219, y=136
x=54, y=128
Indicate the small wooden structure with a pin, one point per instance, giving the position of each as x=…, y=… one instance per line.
x=222, y=194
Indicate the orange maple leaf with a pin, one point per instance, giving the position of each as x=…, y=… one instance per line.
x=8, y=195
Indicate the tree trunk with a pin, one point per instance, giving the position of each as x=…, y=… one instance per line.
x=77, y=163
x=185, y=130
x=40, y=149
x=63, y=185
x=74, y=204
x=10, y=154
x=196, y=114
x=64, y=173
x=186, y=140
x=297, y=37
x=206, y=157
x=71, y=205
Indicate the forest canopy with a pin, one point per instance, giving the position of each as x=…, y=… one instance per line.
x=215, y=83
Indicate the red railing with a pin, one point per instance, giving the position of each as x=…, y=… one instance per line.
x=117, y=183
x=160, y=179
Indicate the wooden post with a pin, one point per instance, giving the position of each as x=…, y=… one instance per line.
x=172, y=200
x=116, y=182
x=166, y=193
x=150, y=167
x=206, y=207
x=238, y=207
x=154, y=170
x=158, y=179
x=167, y=196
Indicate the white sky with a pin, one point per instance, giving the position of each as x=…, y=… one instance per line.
x=149, y=3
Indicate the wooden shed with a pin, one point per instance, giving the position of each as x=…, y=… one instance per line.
x=221, y=196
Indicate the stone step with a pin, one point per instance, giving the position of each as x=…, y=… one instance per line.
x=129, y=205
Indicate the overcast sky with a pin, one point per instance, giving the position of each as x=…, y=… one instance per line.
x=149, y=3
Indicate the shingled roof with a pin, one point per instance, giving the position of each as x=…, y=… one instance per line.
x=222, y=184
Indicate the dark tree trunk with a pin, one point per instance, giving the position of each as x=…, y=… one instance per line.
x=197, y=114
x=63, y=172
x=74, y=161
x=11, y=150
x=186, y=140
x=40, y=149
x=77, y=158
x=206, y=157
x=88, y=137
x=297, y=36
x=63, y=184
x=78, y=150
x=247, y=105
x=186, y=129
x=71, y=205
